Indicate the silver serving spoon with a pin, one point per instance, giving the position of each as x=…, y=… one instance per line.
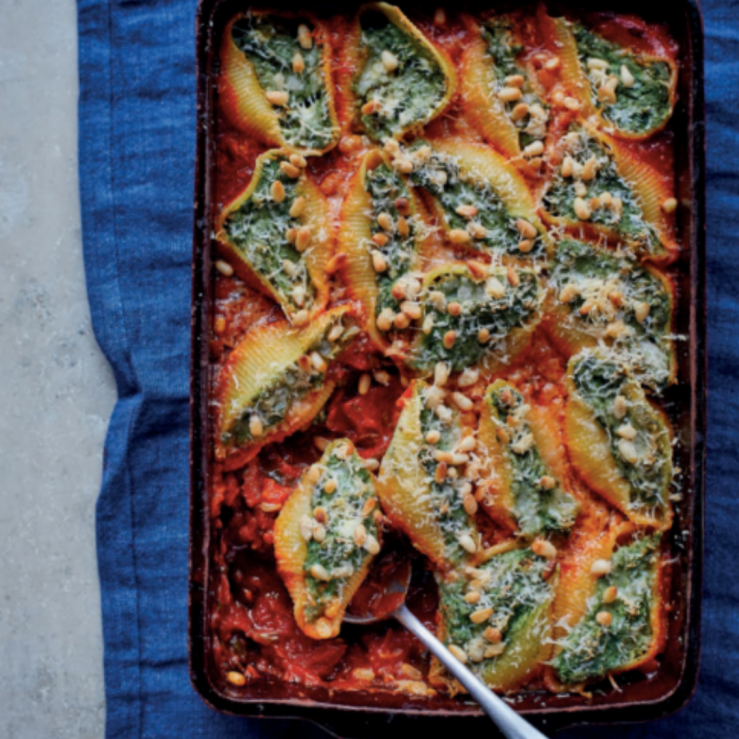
x=389, y=602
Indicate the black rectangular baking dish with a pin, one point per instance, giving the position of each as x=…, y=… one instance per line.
x=366, y=715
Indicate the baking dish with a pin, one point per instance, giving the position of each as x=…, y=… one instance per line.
x=364, y=714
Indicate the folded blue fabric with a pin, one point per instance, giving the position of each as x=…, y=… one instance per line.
x=137, y=147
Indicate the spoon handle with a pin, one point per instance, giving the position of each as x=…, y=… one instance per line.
x=508, y=721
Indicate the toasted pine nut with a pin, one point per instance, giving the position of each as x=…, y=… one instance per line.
x=301, y=318
x=459, y=236
x=462, y=402
x=441, y=374
x=298, y=160
x=278, y=97
x=389, y=60
x=469, y=504
x=385, y=320
x=582, y=209
x=433, y=436
x=466, y=211
x=642, y=311
x=604, y=618
x=290, y=169
x=224, y=268
x=472, y=597
x=401, y=322
x=458, y=653
x=277, y=191
x=386, y=222
x=304, y=36
x=403, y=228
x=302, y=238
x=256, y=428
x=298, y=63
x=483, y=614
x=476, y=230
x=319, y=572
x=551, y=64
x=520, y=111
x=544, y=548
x=510, y=94
x=411, y=309
x=493, y=635
x=483, y=335
x=371, y=107
x=620, y=407
x=669, y=205
x=610, y=594
x=379, y=263
x=467, y=543
x=236, y=678
x=601, y=567
x=515, y=80
x=454, y=309
x=513, y=279
x=449, y=338
x=525, y=246
x=364, y=383
x=567, y=166
x=547, y=482
x=534, y=149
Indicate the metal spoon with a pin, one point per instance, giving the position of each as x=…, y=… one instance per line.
x=389, y=602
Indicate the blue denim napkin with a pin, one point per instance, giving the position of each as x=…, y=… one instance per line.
x=137, y=147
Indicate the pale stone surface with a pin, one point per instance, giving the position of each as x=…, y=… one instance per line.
x=57, y=392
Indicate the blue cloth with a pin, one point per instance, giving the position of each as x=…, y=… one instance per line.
x=137, y=146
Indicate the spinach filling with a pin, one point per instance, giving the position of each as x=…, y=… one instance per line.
x=446, y=498
x=590, y=650
x=540, y=503
x=407, y=94
x=270, y=44
x=504, y=52
x=513, y=586
x=440, y=175
x=272, y=404
x=642, y=93
x=337, y=550
x=385, y=187
x=258, y=229
x=639, y=441
x=620, y=210
x=614, y=290
x=484, y=321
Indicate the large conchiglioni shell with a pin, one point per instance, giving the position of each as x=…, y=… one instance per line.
x=598, y=539
x=241, y=96
x=479, y=162
x=571, y=335
x=484, y=110
x=590, y=452
x=316, y=216
x=651, y=189
x=291, y=551
x=405, y=486
x=561, y=42
x=244, y=101
x=528, y=648
x=504, y=351
x=357, y=272
x=495, y=490
x=258, y=361
x=354, y=59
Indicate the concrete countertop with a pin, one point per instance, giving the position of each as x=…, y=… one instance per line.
x=57, y=392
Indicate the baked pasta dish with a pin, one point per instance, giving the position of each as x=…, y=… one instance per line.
x=442, y=330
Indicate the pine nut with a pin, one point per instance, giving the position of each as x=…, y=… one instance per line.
x=483, y=336
x=236, y=678
x=379, y=263
x=319, y=572
x=385, y=320
x=277, y=97
x=669, y=205
x=403, y=228
x=582, y=209
x=433, y=436
x=642, y=311
x=459, y=236
x=510, y=94
x=483, y=614
x=304, y=36
x=462, y=402
x=515, y=80
x=401, y=322
x=298, y=63
x=403, y=206
x=256, y=428
x=389, y=60
x=277, y=191
x=364, y=383
x=449, y=339
x=458, y=653
x=601, y=567
x=302, y=238
x=520, y=111
x=604, y=618
x=290, y=169
x=224, y=268
x=371, y=107
x=386, y=222
x=610, y=594
x=466, y=211
x=544, y=548
x=298, y=160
